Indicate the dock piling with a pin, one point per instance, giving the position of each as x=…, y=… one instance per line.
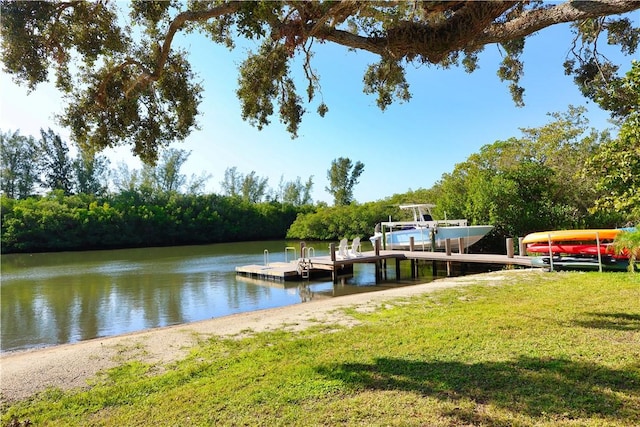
x=414, y=269
x=510, y=249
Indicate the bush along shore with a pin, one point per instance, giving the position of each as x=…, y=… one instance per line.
x=61, y=223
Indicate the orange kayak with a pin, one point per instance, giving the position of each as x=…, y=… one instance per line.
x=571, y=235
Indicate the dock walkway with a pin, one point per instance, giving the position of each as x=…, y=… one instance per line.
x=318, y=265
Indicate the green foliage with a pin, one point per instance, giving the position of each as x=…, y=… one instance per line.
x=532, y=183
x=337, y=222
x=131, y=219
x=387, y=79
x=250, y=188
x=616, y=166
x=91, y=173
x=295, y=192
x=343, y=176
x=41, y=36
x=18, y=165
x=126, y=83
x=622, y=95
x=264, y=77
x=167, y=174
x=620, y=186
x=57, y=167
x=628, y=242
x=596, y=76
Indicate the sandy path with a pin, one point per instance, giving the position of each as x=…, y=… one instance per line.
x=23, y=374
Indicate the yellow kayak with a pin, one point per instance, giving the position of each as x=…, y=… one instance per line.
x=571, y=235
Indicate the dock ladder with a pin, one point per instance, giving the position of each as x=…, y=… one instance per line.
x=304, y=263
x=304, y=267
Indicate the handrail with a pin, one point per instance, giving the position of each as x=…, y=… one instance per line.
x=308, y=252
x=286, y=251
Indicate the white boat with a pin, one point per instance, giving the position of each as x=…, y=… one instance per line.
x=427, y=233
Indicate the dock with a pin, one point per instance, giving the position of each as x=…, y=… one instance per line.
x=334, y=266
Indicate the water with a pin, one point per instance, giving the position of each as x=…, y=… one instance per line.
x=56, y=298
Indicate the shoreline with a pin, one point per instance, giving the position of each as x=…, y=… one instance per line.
x=24, y=373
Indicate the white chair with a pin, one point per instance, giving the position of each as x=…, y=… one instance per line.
x=343, y=248
x=354, y=250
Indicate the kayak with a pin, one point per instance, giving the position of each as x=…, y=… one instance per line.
x=573, y=249
x=571, y=235
x=581, y=263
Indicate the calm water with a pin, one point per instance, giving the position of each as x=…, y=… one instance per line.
x=56, y=298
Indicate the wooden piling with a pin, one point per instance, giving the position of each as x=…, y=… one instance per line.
x=447, y=249
x=510, y=249
x=414, y=272
x=522, y=251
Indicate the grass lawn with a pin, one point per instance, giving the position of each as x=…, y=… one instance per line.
x=533, y=349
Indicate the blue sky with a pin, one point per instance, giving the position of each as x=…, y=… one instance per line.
x=408, y=146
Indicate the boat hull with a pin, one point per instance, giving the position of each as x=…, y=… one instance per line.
x=423, y=239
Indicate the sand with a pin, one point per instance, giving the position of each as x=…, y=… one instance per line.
x=25, y=373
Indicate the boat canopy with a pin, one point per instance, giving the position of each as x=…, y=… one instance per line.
x=422, y=218
x=421, y=211
x=418, y=205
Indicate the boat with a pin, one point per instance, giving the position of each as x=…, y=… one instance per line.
x=427, y=233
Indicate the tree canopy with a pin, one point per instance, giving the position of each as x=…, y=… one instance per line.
x=126, y=83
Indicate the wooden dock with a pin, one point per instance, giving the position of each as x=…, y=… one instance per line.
x=335, y=266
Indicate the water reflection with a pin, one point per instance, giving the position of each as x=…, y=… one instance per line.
x=56, y=298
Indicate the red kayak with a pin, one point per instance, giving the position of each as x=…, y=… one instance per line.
x=573, y=249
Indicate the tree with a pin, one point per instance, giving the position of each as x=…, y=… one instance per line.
x=343, y=176
x=616, y=164
x=57, y=168
x=167, y=174
x=628, y=242
x=295, y=192
x=617, y=168
x=232, y=183
x=564, y=145
x=91, y=173
x=18, y=168
x=196, y=184
x=125, y=180
x=251, y=187
x=128, y=84
x=530, y=183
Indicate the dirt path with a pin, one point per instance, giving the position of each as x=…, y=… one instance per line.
x=23, y=374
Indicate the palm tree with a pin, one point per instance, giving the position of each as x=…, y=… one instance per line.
x=628, y=242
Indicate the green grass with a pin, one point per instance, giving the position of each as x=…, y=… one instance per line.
x=537, y=349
